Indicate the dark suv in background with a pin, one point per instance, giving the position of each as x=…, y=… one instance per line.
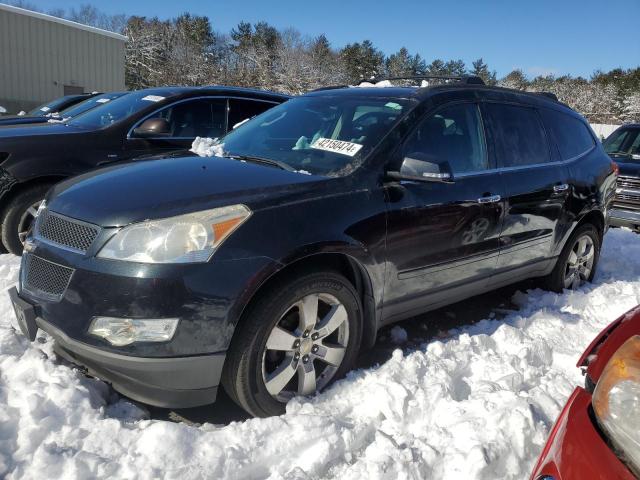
x=41, y=113
x=151, y=121
x=623, y=146
x=268, y=267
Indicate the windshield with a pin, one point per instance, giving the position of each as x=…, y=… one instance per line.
x=116, y=110
x=50, y=107
x=318, y=135
x=625, y=143
x=87, y=105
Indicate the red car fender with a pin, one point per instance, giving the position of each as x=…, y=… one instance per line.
x=597, y=355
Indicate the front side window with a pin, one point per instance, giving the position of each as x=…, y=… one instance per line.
x=518, y=135
x=323, y=135
x=203, y=117
x=454, y=135
x=623, y=143
x=571, y=135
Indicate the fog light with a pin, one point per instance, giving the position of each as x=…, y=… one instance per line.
x=123, y=331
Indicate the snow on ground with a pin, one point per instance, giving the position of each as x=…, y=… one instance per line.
x=477, y=404
x=603, y=130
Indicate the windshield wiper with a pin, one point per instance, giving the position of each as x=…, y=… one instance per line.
x=266, y=161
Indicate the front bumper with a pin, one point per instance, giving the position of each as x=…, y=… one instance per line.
x=624, y=218
x=576, y=450
x=164, y=382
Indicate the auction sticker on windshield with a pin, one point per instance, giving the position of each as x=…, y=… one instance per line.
x=337, y=146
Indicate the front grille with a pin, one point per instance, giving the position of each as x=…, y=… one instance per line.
x=43, y=278
x=64, y=231
x=627, y=195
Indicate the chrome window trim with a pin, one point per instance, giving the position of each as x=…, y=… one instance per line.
x=203, y=97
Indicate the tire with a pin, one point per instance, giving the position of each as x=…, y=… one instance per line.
x=557, y=279
x=250, y=375
x=14, y=216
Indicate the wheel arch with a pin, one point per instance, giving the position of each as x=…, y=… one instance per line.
x=347, y=265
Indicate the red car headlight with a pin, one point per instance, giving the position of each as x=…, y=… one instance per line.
x=616, y=401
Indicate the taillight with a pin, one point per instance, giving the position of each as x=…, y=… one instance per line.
x=615, y=168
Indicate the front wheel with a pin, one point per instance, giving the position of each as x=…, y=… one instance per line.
x=19, y=215
x=578, y=261
x=300, y=336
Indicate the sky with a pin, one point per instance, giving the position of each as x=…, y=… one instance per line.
x=540, y=37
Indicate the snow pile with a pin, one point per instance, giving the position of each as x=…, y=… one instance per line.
x=2, y=109
x=477, y=404
x=207, y=147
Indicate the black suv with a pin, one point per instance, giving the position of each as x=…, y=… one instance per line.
x=623, y=146
x=41, y=113
x=152, y=121
x=269, y=266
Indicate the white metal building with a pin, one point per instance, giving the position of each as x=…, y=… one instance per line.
x=44, y=57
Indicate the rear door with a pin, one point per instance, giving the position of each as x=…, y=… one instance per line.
x=443, y=239
x=536, y=187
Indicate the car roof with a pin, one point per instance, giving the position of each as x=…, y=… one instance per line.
x=214, y=90
x=422, y=93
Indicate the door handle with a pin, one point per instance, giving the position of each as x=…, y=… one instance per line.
x=490, y=199
x=562, y=187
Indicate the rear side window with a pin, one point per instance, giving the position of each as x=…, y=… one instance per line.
x=570, y=134
x=242, y=110
x=455, y=135
x=519, y=137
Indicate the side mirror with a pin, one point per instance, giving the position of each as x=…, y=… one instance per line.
x=418, y=167
x=153, y=127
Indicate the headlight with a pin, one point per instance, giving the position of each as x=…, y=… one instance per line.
x=616, y=401
x=183, y=239
x=123, y=331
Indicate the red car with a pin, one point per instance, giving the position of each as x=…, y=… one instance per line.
x=597, y=435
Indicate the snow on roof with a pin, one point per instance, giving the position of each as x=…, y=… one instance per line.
x=62, y=21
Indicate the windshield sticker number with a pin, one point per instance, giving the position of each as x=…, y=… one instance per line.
x=337, y=146
x=153, y=98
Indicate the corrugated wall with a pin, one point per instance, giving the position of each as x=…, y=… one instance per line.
x=38, y=57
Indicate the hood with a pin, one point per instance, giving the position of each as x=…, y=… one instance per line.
x=21, y=120
x=628, y=167
x=137, y=191
x=14, y=131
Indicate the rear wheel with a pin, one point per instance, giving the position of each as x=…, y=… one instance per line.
x=19, y=215
x=578, y=261
x=298, y=338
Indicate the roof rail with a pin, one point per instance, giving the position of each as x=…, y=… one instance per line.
x=550, y=95
x=329, y=87
x=465, y=79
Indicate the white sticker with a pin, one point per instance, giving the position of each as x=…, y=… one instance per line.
x=153, y=98
x=45, y=109
x=394, y=105
x=103, y=100
x=337, y=146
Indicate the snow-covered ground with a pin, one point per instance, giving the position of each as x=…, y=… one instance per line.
x=603, y=130
x=475, y=404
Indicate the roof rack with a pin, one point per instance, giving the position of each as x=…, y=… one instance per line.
x=330, y=87
x=464, y=79
x=550, y=95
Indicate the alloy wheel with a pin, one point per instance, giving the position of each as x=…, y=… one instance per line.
x=306, y=347
x=580, y=262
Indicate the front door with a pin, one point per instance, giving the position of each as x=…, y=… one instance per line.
x=443, y=239
x=188, y=119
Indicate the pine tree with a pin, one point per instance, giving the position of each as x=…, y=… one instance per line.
x=482, y=70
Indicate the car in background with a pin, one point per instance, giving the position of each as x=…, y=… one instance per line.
x=268, y=267
x=597, y=435
x=42, y=113
x=623, y=146
x=151, y=121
